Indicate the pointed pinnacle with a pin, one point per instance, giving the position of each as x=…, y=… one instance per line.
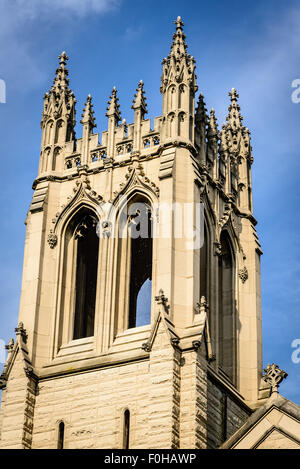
x=113, y=106
x=234, y=117
x=61, y=80
x=201, y=111
x=88, y=113
x=212, y=129
x=139, y=101
x=178, y=47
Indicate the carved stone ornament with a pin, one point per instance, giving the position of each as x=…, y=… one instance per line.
x=146, y=346
x=52, y=239
x=21, y=332
x=217, y=249
x=162, y=300
x=274, y=376
x=243, y=274
x=196, y=344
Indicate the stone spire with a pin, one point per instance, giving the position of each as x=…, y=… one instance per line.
x=179, y=64
x=236, y=139
x=178, y=47
x=61, y=80
x=58, y=119
x=88, y=117
x=178, y=87
x=139, y=101
x=234, y=127
x=113, y=106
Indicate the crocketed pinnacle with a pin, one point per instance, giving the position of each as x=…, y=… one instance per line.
x=61, y=80
x=88, y=114
x=235, y=136
x=179, y=65
x=201, y=111
x=139, y=101
x=178, y=47
x=212, y=128
x=234, y=117
x=60, y=100
x=113, y=106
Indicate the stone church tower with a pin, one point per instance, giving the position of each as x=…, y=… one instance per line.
x=131, y=341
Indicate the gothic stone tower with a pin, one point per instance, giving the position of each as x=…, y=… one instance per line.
x=92, y=365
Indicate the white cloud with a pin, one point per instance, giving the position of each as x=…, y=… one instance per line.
x=21, y=21
x=31, y=9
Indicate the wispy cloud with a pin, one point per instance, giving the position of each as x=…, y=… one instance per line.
x=23, y=21
x=31, y=9
x=132, y=32
x=272, y=61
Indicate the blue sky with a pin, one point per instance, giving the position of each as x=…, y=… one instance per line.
x=253, y=46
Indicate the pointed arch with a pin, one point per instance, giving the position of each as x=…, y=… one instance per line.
x=46, y=159
x=134, y=260
x=227, y=306
x=79, y=259
x=59, y=131
x=49, y=131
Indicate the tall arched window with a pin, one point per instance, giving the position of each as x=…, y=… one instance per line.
x=140, y=282
x=227, y=333
x=134, y=265
x=79, y=284
x=204, y=266
x=86, y=276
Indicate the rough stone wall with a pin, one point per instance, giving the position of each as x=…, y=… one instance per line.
x=193, y=408
x=92, y=407
x=164, y=394
x=18, y=409
x=224, y=415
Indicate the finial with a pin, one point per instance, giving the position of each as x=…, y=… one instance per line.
x=179, y=23
x=21, y=331
x=274, y=376
x=63, y=58
x=233, y=95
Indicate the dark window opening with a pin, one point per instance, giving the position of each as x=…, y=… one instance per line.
x=86, y=277
x=61, y=435
x=204, y=267
x=126, y=429
x=141, y=279
x=226, y=308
